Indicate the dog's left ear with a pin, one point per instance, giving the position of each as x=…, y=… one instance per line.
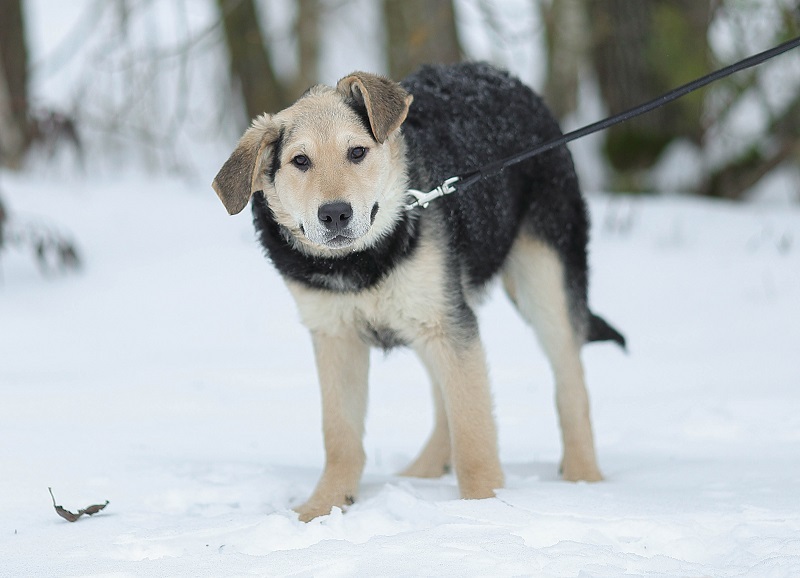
x=385, y=100
x=238, y=178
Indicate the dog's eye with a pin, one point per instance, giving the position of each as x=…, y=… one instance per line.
x=301, y=162
x=357, y=154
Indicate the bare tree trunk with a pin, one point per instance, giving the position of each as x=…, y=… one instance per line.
x=307, y=31
x=14, y=134
x=250, y=62
x=641, y=49
x=566, y=23
x=419, y=31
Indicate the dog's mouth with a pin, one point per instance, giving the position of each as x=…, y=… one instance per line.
x=330, y=239
x=339, y=242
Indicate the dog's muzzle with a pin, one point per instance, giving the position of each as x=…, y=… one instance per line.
x=337, y=226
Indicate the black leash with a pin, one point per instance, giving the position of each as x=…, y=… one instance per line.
x=461, y=182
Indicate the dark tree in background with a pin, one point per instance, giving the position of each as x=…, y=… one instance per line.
x=307, y=34
x=14, y=132
x=565, y=26
x=419, y=31
x=640, y=50
x=631, y=50
x=250, y=54
x=52, y=250
x=250, y=62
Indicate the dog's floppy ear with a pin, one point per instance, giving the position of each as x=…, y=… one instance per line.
x=385, y=100
x=237, y=180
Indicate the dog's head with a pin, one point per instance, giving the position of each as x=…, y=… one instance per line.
x=331, y=165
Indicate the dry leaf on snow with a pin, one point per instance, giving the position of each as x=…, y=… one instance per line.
x=71, y=516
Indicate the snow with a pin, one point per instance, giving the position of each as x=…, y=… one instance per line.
x=171, y=377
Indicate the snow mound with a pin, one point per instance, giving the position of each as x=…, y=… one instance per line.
x=171, y=377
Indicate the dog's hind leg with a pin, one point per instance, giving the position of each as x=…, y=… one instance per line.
x=535, y=281
x=434, y=459
x=343, y=367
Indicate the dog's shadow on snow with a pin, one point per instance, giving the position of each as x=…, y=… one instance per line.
x=518, y=475
x=528, y=473
x=375, y=486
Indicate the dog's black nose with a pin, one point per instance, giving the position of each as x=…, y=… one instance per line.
x=335, y=216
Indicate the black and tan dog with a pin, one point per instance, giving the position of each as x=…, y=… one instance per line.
x=330, y=176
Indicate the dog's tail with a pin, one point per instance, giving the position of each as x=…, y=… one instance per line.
x=600, y=330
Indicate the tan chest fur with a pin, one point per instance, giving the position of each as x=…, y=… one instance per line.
x=410, y=302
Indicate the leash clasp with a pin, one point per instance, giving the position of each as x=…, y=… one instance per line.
x=422, y=199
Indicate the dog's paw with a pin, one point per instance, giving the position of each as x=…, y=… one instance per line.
x=580, y=471
x=476, y=486
x=314, y=508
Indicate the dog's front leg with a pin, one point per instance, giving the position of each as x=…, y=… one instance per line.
x=460, y=369
x=342, y=365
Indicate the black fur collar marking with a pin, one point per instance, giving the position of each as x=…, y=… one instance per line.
x=350, y=273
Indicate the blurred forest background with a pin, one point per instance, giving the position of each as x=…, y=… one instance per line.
x=156, y=82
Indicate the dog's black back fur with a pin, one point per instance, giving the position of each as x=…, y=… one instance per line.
x=465, y=116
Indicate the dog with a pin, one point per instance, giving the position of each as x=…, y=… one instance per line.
x=329, y=179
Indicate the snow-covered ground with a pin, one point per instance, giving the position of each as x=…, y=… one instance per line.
x=171, y=377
